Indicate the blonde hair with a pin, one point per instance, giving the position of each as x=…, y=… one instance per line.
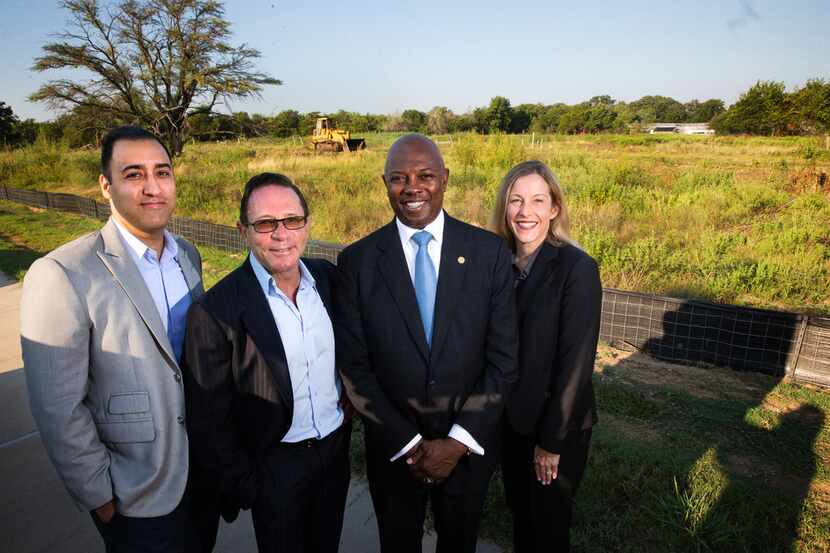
x=559, y=226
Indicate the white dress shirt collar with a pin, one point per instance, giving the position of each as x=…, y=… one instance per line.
x=435, y=228
x=410, y=248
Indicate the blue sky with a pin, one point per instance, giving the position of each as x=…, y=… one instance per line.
x=383, y=57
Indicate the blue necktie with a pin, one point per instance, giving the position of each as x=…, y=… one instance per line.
x=425, y=282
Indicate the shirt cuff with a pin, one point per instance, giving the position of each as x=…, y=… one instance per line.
x=460, y=434
x=406, y=448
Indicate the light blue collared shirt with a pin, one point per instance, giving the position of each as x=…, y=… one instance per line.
x=165, y=281
x=307, y=337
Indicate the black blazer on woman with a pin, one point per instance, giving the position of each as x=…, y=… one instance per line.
x=559, y=314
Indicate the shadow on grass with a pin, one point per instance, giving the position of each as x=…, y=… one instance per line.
x=687, y=460
x=15, y=260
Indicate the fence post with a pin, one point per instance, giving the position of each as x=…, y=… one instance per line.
x=793, y=360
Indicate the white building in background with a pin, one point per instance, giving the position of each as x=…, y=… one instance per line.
x=680, y=128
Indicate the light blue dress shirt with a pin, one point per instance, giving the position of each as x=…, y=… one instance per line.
x=165, y=281
x=307, y=337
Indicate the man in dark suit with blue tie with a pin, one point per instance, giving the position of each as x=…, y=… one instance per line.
x=426, y=343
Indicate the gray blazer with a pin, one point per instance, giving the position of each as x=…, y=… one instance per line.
x=104, y=385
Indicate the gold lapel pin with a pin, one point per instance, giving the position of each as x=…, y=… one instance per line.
x=461, y=260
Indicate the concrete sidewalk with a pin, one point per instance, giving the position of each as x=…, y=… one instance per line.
x=37, y=515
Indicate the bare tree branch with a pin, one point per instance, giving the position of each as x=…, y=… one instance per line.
x=155, y=62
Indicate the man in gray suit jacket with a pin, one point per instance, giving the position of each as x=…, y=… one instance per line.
x=102, y=329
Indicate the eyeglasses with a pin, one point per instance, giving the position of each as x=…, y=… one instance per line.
x=295, y=222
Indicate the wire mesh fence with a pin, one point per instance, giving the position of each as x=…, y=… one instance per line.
x=677, y=330
x=700, y=332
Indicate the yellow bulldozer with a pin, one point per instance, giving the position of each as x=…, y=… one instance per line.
x=328, y=138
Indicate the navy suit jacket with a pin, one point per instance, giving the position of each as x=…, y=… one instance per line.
x=400, y=385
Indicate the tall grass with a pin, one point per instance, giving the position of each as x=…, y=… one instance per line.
x=728, y=219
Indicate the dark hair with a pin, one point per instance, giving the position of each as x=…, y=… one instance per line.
x=268, y=179
x=126, y=132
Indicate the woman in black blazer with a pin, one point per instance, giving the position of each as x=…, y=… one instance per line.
x=551, y=409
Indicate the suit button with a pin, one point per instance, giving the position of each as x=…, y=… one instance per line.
x=432, y=383
x=180, y=419
x=177, y=376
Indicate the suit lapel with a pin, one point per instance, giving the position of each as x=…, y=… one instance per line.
x=393, y=269
x=191, y=274
x=450, y=282
x=261, y=327
x=540, y=273
x=119, y=262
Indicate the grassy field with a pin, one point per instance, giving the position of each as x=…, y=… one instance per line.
x=684, y=459
x=26, y=234
x=730, y=219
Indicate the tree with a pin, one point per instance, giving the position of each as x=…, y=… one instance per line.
x=656, y=109
x=811, y=107
x=13, y=131
x=84, y=125
x=703, y=112
x=548, y=120
x=413, y=120
x=8, y=125
x=603, y=100
x=153, y=63
x=523, y=116
x=480, y=120
x=573, y=120
x=27, y=131
x=286, y=123
x=462, y=123
x=599, y=118
x=499, y=114
x=438, y=120
x=760, y=110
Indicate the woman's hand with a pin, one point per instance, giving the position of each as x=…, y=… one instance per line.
x=546, y=465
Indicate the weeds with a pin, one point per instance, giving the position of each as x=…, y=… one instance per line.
x=728, y=219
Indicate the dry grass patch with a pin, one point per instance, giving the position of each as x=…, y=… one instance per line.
x=706, y=383
x=631, y=429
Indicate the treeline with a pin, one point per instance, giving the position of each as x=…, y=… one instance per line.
x=768, y=109
x=765, y=109
x=599, y=114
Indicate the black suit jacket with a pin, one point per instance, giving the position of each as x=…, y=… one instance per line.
x=238, y=389
x=559, y=316
x=396, y=382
